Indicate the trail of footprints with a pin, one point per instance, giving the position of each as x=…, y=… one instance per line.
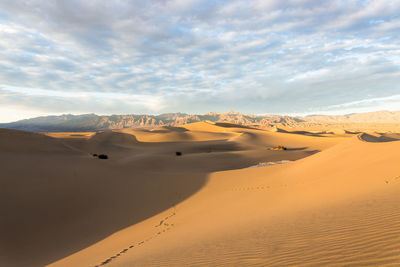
x=256, y=188
x=163, y=227
x=251, y=188
x=263, y=187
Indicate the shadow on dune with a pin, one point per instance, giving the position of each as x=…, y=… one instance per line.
x=53, y=207
x=232, y=125
x=296, y=148
x=306, y=133
x=379, y=138
x=197, y=146
x=166, y=129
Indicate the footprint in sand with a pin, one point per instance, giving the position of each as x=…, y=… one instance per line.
x=392, y=180
x=161, y=222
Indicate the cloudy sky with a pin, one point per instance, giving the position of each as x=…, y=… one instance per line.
x=261, y=56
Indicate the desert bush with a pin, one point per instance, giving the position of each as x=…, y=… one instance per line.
x=277, y=148
x=94, y=155
x=103, y=156
x=178, y=153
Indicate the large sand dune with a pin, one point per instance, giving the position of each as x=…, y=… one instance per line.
x=335, y=202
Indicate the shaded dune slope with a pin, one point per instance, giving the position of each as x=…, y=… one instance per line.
x=378, y=138
x=114, y=138
x=64, y=200
x=26, y=142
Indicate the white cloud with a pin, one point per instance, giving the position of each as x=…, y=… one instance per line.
x=391, y=103
x=313, y=75
x=39, y=101
x=11, y=113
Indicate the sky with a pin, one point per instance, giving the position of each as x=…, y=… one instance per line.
x=192, y=56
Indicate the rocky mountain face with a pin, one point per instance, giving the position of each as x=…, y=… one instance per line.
x=93, y=122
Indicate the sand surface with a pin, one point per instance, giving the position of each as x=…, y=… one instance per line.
x=333, y=200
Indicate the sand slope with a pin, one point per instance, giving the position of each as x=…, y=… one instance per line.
x=335, y=207
x=147, y=207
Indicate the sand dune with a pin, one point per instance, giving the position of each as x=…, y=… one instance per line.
x=111, y=138
x=200, y=131
x=296, y=213
x=26, y=142
x=334, y=203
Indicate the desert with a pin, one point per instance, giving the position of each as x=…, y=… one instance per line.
x=226, y=200
x=180, y=133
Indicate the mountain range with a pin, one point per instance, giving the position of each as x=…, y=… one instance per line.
x=93, y=122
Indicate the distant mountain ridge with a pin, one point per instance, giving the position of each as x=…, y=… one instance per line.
x=93, y=122
x=383, y=116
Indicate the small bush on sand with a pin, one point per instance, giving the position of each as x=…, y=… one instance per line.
x=277, y=148
x=178, y=153
x=103, y=156
x=94, y=155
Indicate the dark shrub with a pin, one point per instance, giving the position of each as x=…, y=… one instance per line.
x=103, y=156
x=178, y=153
x=94, y=155
x=277, y=148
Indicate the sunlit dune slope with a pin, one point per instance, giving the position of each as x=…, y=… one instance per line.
x=79, y=135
